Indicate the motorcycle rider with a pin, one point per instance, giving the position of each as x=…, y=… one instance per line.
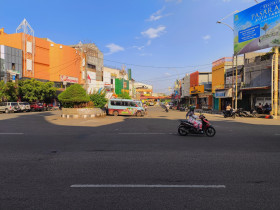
x=228, y=110
x=192, y=118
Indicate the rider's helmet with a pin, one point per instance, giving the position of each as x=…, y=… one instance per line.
x=192, y=108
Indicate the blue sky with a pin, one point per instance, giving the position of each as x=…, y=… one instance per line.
x=154, y=33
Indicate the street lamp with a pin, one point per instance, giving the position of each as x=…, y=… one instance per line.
x=220, y=22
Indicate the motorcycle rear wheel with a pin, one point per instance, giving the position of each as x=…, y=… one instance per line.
x=210, y=131
x=182, y=130
x=233, y=116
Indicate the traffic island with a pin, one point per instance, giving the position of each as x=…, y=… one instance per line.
x=84, y=113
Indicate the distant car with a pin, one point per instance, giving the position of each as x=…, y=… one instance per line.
x=48, y=107
x=36, y=107
x=24, y=106
x=8, y=107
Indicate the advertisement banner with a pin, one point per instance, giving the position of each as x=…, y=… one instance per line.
x=257, y=27
x=64, y=78
x=197, y=89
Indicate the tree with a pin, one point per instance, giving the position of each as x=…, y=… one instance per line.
x=124, y=95
x=11, y=91
x=2, y=91
x=8, y=91
x=73, y=96
x=31, y=90
x=48, y=91
x=34, y=90
x=99, y=99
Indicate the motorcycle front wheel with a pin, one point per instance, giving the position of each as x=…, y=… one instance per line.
x=182, y=130
x=210, y=131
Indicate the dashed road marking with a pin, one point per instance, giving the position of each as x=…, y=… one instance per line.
x=143, y=186
x=146, y=133
x=11, y=133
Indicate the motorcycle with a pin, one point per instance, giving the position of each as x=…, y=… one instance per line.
x=230, y=113
x=187, y=127
x=241, y=113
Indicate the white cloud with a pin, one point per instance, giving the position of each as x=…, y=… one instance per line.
x=206, y=37
x=149, y=42
x=113, y=48
x=167, y=74
x=158, y=15
x=226, y=0
x=152, y=33
x=139, y=47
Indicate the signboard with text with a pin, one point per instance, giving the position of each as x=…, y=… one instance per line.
x=64, y=78
x=257, y=27
x=197, y=89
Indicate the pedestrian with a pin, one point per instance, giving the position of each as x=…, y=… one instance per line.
x=228, y=109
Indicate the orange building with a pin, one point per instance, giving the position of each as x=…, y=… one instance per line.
x=46, y=60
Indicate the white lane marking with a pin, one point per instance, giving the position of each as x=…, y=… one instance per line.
x=143, y=133
x=143, y=186
x=11, y=133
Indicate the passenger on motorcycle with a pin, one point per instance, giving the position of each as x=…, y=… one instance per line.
x=192, y=118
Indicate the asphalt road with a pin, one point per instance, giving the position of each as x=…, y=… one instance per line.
x=137, y=163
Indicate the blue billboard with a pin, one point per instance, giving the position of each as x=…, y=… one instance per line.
x=257, y=27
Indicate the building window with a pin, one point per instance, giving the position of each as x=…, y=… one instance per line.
x=90, y=66
x=13, y=66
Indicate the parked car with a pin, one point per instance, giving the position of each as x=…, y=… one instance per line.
x=24, y=106
x=36, y=107
x=48, y=107
x=8, y=107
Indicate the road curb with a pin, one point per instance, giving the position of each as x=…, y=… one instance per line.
x=85, y=116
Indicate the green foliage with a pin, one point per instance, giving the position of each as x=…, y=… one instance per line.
x=11, y=91
x=73, y=96
x=8, y=91
x=99, y=99
x=124, y=96
x=34, y=90
x=2, y=91
x=48, y=91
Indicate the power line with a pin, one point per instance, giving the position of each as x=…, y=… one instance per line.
x=161, y=67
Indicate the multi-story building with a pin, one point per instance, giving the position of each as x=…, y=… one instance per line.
x=201, y=90
x=10, y=63
x=143, y=90
x=43, y=59
x=185, y=90
x=221, y=94
x=256, y=86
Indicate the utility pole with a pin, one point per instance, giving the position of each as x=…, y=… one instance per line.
x=232, y=99
x=236, y=84
x=276, y=80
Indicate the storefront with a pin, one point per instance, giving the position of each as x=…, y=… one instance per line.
x=66, y=81
x=222, y=98
x=253, y=97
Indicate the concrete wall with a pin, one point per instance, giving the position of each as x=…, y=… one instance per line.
x=186, y=86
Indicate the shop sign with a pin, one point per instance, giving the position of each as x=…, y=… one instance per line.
x=220, y=94
x=223, y=93
x=64, y=78
x=197, y=89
